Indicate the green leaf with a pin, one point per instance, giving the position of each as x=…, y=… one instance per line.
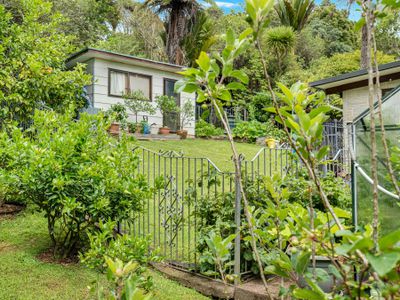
x=307, y=294
x=235, y=86
x=302, y=261
x=240, y=75
x=390, y=240
x=203, y=61
x=383, y=263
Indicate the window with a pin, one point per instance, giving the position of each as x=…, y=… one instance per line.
x=123, y=82
x=140, y=83
x=117, y=83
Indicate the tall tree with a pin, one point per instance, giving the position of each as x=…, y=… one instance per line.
x=177, y=15
x=200, y=37
x=294, y=13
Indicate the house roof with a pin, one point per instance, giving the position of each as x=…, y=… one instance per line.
x=86, y=54
x=389, y=71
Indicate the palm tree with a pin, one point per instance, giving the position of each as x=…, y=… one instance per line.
x=200, y=37
x=177, y=14
x=294, y=13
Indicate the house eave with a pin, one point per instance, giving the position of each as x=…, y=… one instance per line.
x=86, y=54
x=388, y=72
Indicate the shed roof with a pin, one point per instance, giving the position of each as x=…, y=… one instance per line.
x=389, y=71
x=86, y=54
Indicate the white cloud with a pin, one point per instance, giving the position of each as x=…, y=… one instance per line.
x=226, y=4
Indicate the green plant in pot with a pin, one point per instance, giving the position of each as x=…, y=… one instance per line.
x=137, y=103
x=186, y=115
x=166, y=104
x=134, y=127
x=118, y=114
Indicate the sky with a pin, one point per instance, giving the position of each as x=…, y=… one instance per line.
x=237, y=5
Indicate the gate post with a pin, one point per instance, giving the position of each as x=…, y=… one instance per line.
x=238, y=198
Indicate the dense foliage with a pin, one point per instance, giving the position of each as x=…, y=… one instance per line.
x=251, y=130
x=78, y=175
x=32, y=62
x=206, y=130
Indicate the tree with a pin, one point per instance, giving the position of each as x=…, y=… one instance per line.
x=387, y=34
x=341, y=63
x=201, y=36
x=333, y=26
x=177, y=13
x=294, y=13
x=32, y=62
x=86, y=20
x=139, y=33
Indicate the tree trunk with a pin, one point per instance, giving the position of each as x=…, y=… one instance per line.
x=175, y=33
x=364, y=48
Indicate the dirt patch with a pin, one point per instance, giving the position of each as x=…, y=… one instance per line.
x=10, y=208
x=6, y=247
x=48, y=257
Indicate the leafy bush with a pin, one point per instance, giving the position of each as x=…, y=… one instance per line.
x=216, y=215
x=32, y=58
x=78, y=175
x=125, y=282
x=204, y=129
x=336, y=189
x=13, y=159
x=250, y=130
x=103, y=243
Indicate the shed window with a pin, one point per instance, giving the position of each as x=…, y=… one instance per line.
x=123, y=82
x=140, y=83
x=117, y=83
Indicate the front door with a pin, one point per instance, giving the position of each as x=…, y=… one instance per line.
x=171, y=119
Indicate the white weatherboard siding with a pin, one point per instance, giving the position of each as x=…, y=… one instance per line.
x=99, y=92
x=355, y=101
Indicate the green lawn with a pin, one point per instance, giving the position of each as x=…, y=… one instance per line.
x=24, y=276
x=219, y=152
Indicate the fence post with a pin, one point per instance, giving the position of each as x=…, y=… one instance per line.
x=238, y=198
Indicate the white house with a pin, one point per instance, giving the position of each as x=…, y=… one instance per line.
x=115, y=74
x=353, y=88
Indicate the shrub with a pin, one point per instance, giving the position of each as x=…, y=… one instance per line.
x=78, y=175
x=336, y=189
x=13, y=160
x=126, y=248
x=249, y=131
x=204, y=129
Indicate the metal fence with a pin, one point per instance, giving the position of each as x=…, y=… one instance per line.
x=170, y=217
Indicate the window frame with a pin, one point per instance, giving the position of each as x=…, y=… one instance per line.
x=127, y=82
x=164, y=88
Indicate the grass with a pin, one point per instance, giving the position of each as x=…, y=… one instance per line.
x=24, y=276
x=219, y=152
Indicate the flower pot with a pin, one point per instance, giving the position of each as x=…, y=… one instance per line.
x=182, y=133
x=271, y=143
x=114, y=128
x=164, y=130
x=323, y=263
x=138, y=129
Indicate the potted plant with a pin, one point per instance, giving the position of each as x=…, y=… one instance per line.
x=186, y=114
x=136, y=102
x=117, y=113
x=134, y=127
x=166, y=104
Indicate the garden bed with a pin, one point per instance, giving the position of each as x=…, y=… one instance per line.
x=252, y=289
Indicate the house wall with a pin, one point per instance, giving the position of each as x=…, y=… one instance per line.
x=101, y=99
x=355, y=101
